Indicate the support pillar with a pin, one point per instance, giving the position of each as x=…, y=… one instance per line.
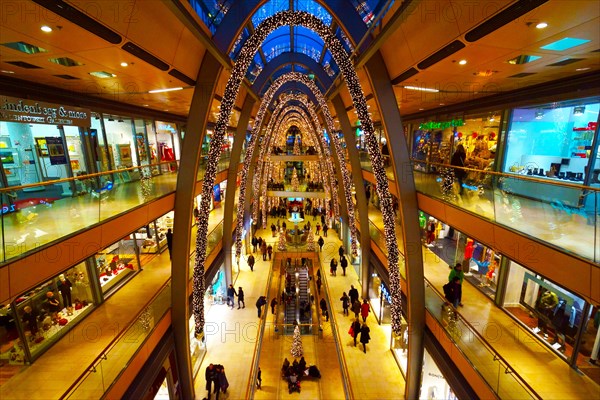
x=361, y=198
x=228, y=213
x=408, y=207
x=186, y=182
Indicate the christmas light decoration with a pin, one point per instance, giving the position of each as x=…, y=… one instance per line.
x=296, y=151
x=297, y=350
x=294, y=18
x=295, y=182
x=282, y=240
x=310, y=241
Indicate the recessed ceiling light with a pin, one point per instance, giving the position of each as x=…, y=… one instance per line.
x=541, y=25
x=421, y=109
x=4, y=71
x=46, y=28
x=146, y=105
x=582, y=69
x=442, y=104
x=124, y=64
x=462, y=62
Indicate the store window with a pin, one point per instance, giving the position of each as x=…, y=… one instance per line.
x=433, y=382
x=553, y=140
x=166, y=135
x=116, y=264
x=46, y=313
x=551, y=312
x=151, y=239
x=481, y=264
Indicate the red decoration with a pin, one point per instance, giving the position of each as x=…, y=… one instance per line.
x=492, y=135
x=474, y=135
x=460, y=135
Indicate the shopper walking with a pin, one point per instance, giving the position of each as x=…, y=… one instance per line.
x=231, y=296
x=344, y=264
x=365, y=336
x=263, y=250
x=254, y=243
x=345, y=302
x=453, y=291
x=341, y=251
x=325, y=229
x=321, y=242
x=356, y=308
x=458, y=160
x=323, y=305
x=319, y=283
x=240, y=296
x=251, y=262
x=211, y=380
x=355, y=329
x=270, y=251
x=457, y=272
x=273, y=229
x=353, y=293
x=333, y=266
x=364, y=310
x=273, y=304
x=169, y=236
x=318, y=228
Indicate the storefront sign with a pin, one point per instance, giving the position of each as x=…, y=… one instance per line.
x=385, y=293
x=441, y=125
x=13, y=109
x=56, y=150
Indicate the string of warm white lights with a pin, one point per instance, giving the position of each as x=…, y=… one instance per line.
x=245, y=56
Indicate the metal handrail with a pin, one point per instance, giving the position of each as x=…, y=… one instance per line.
x=512, y=176
x=497, y=355
x=113, y=342
x=341, y=358
x=82, y=177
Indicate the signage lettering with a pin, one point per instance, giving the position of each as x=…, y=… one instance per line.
x=385, y=293
x=36, y=112
x=441, y=125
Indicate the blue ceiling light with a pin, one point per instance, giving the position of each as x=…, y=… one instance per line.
x=564, y=44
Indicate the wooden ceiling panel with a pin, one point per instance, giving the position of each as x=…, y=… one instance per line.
x=468, y=13
x=396, y=54
x=589, y=30
x=155, y=29
x=117, y=15
x=426, y=32
x=189, y=54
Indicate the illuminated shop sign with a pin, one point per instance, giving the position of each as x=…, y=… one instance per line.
x=36, y=112
x=441, y=125
x=385, y=293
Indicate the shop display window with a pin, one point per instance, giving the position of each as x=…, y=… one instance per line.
x=115, y=264
x=433, y=382
x=553, y=140
x=47, y=312
x=121, y=147
x=554, y=314
x=152, y=238
x=197, y=347
x=166, y=134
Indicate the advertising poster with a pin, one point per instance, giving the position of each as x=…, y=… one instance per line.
x=216, y=195
x=56, y=150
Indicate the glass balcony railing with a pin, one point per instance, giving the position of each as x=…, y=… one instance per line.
x=365, y=163
x=114, y=359
x=491, y=366
x=378, y=237
x=551, y=210
x=37, y=214
x=223, y=164
x=214, y=237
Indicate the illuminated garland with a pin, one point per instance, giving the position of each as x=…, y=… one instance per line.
x=245, y=56
x=295, y=182
x=296, y=151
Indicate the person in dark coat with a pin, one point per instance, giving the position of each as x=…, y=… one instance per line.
x=231, y=296
x=353, y=293
x=344, y=264
x=273, y=304
x=325, y=229
x=254, y=243
x=333, y=266
x=240, y=296
x=321, y=242
x=273, y=229
x=251, y=262
x=319, y=283
x=262, y=300
x=365, y=336
x=345, y=302
x=341, y=251
x=452, y=291
x=323, y=305
x=458, y=160
x=211, y=377
x=221, y=380
x=356, y=308
x=355, y=329
x=270, y=251
x=263, y=250
x=169, y=236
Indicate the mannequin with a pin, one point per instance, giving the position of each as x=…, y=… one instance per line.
x=64, y=287
x=53, y=305
x=30, y=318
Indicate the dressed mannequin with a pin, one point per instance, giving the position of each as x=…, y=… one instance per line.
x=53, y=304
x=64, y=287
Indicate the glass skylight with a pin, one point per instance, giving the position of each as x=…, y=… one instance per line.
x=564, y=44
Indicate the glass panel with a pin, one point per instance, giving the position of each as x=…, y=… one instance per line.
x=567, y=217
x=211, y=11
x=276, y=43
x=143, y=147
x=315, y=9
x=268, y=9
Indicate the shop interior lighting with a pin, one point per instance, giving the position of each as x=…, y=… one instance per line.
x=539, y=114
x=421, y=89
x=564, y=44
x=462, y=62
x=165, y=90
x=46, y=28
x=124, y=64
x=578, y=110
x=541, y=25
x=4, y=71
x=578, y=69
